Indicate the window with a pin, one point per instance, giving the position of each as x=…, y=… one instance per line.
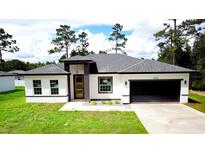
x=37, y=87
x=54, y=87
x=105, y=84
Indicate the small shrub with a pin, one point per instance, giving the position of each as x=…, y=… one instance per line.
x=110, y=102
x=93, y=102
x=117, y=102
x=103, y=102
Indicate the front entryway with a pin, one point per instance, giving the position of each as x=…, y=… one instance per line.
x=78, y=86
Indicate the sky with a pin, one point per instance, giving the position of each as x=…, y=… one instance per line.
x=34, y=36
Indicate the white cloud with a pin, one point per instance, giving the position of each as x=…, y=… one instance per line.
x=34, y=37
x=141, y=42
x=97, y=42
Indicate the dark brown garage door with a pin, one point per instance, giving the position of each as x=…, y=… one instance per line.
x=154, y=90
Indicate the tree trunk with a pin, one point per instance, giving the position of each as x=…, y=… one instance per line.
x=116, y=46
x=66, y=51
x=174, y=58
x=175, y=25
x=1, y=60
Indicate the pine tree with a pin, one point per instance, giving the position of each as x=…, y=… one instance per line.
x=118, y=38
x=7, y=43
x=65, y=37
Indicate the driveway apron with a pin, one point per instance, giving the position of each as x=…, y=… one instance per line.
x=170, y=118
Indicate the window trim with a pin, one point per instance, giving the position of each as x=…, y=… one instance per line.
x=54, y=87
x=37, y=87
x=105, y=92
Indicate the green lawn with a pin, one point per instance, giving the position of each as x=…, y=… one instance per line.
x=17, y=117
x=196, y=97
x=200, y=106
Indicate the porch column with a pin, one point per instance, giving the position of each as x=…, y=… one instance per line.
x=86, y=82
x=67, y=68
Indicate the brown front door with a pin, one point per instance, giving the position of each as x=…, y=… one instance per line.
x=78, y=86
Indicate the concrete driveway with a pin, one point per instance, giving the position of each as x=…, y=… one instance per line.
x=170, y=118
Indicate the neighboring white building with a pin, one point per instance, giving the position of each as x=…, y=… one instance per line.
x=6, y=81
x=19, y=78
x=108, y=77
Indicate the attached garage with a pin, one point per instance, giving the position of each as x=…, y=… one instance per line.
x=155, y=90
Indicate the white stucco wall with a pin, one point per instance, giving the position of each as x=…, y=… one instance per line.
x=19, y=82
x=6, y=83
x=74, y=70
x=46, y=91
x=46, y=99
x=116, y=91
x=121, y=91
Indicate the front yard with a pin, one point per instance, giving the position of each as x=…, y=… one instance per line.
x=198, y=102
x=17, y=117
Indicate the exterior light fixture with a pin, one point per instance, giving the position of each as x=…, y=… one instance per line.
x=185, y=82
x=125, y=82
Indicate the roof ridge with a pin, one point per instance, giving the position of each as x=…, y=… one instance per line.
x=132, y=65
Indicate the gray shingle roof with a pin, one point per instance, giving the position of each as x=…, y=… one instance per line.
x=5, y=74
x=118, y=63
x=17, y=72
x=112, y=63
x=77, y=58
x=50, y=69
x=155, y=66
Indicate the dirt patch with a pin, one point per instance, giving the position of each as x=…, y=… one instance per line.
x=198, y=92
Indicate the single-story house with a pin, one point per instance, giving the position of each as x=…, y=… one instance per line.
x=107, y=77
x=6, y=81
x=19, y=78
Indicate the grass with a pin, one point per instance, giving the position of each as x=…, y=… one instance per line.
x=196, y=97
x=117, y=102
x=103, y=102
x=110, y=102
x=199, y=102
x=197, y=106
x=18, y=117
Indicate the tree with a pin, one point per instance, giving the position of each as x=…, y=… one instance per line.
x=173, y=46
x=64, y=38
x=83, y=42
x=16, y=64
x=192, y=28
x=102, y=52
x=118, y=38
x=198, y=53
x=7, y=44
x=198, y=62
x=167, y=42
x=12, y=65
x=82, y=46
